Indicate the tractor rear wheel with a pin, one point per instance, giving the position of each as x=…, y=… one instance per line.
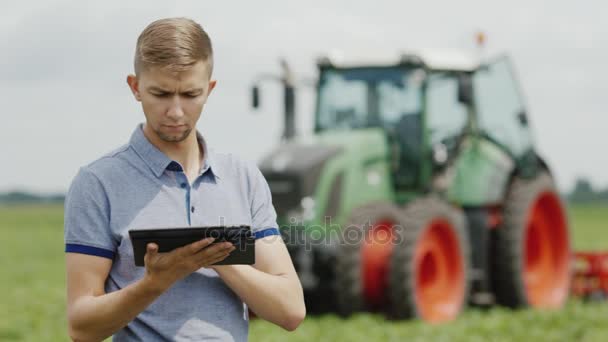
x=430, y=264
x=531, y=247
x=362, y=258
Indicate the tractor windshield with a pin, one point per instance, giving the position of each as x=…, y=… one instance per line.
x=367, y=97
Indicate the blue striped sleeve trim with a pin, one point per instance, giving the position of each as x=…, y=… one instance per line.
x=82, y=249
x=266, y=232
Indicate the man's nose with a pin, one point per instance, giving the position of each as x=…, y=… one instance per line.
x=175, y=109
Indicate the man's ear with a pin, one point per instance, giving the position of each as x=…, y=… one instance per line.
x=133, y=83
x=212, y=84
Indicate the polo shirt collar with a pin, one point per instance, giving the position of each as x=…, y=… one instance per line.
x=158, y=162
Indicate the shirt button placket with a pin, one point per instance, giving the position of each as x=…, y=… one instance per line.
x=193, y=206
x=184, y=185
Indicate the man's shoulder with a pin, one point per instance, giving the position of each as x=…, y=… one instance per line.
x=109, y=162
x=233, y=165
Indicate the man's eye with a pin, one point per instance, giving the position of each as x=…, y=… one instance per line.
x=192, y=95
x=160, y=94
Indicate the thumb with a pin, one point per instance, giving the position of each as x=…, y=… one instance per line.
x=151, y=249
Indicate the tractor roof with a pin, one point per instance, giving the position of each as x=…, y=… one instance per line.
x=448, y=60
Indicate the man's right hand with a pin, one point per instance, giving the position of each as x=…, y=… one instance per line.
x=164, y=269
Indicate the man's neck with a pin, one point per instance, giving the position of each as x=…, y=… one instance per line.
x=186, y=152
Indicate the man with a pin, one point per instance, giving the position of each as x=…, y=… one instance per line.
x=167, y=177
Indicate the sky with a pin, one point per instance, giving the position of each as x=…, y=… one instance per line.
x=65, y=102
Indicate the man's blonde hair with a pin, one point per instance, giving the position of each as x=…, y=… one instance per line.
x=173, y=43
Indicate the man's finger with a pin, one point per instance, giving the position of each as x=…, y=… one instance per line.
x=195, y=247
x=152, y=248
x=219, y=250
x=215, y=259
x=151, y=251
x=215, y=248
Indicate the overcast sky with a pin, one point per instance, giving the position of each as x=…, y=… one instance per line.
x=63, y=64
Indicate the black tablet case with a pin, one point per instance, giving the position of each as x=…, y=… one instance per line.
x=171, y=238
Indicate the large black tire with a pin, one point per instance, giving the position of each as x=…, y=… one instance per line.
x=349, y=282
x=425, y=215
x=512, y=239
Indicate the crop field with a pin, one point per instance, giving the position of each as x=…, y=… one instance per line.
x=32, y=295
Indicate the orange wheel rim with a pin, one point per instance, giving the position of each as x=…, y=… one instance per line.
x=547, y=253
x=376, y=251
x=440, y=276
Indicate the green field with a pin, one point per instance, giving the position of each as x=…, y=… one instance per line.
x=32, y=295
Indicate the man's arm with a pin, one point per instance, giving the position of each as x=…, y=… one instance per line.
x=271, y=287
x=94, y=315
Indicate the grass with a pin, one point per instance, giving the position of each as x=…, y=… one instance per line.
x=589, y=227
x=32, y=295
x=32, y=290
x=576, y=322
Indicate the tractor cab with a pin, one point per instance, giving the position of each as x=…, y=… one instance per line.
x=422, y=107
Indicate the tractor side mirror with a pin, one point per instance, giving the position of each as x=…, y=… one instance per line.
x=465, y=89
x=522, y=117
x=255, y=97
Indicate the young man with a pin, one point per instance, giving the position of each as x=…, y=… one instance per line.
x=167, y=177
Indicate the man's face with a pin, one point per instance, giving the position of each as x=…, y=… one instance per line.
x=172, y=102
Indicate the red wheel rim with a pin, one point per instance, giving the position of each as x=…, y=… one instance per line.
x=376, y=251
x=547, y=252
x=440, y=276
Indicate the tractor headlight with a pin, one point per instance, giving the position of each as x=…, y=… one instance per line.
x=308, y=208
x=304, y=212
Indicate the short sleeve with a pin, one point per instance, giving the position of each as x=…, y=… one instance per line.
x=263, y=215
x=87, y=217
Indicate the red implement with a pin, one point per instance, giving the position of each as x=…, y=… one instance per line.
x=590, y=278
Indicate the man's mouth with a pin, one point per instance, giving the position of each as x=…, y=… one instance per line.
x=175, y=127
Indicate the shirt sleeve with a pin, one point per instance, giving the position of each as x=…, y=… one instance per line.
x=87, y=217
x=263, y=215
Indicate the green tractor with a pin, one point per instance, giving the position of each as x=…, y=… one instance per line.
x=420, y=191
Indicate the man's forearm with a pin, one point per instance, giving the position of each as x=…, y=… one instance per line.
x=275, y=298
x=95, y=318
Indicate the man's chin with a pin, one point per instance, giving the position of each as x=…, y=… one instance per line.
x=174, y=137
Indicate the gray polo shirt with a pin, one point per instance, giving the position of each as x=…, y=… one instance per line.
x=139, y=187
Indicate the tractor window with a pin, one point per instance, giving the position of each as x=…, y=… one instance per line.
x=500, y=108
x=447, y=117
x=366, y=97
x=343, y=104
x=395, y=101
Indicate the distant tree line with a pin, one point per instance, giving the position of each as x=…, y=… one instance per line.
x=583, y=192
x=18, y=197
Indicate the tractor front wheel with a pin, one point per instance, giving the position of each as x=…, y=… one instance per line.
x=363, y=256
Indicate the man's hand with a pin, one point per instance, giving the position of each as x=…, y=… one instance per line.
x=164, y=269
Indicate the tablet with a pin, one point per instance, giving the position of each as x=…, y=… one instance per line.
x=168, y=239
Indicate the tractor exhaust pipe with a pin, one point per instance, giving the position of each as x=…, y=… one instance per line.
x=289, y=101
x=287, y=80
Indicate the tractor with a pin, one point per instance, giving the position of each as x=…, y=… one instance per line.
x=420, y=191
